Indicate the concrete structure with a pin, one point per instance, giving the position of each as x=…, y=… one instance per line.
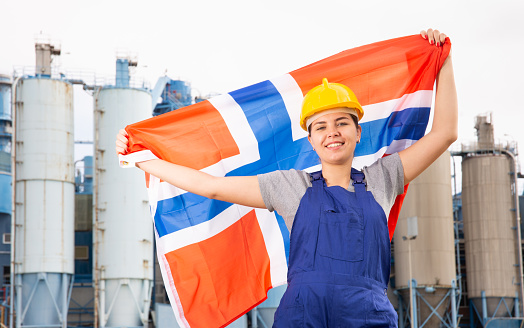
x=433, y=251
x=491, y=254
x=123, y=234
x=44, y=244
x=492, y=236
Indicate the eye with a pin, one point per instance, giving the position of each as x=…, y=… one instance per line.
x=320, y=127
x=342, y=123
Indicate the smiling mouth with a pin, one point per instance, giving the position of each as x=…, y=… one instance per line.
x=333, y=145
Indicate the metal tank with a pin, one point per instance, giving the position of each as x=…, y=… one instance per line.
x=44, y=191
x=488, y=231
x=432, y=252
x=123, y=234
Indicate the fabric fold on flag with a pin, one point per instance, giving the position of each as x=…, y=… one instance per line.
x=218, y=260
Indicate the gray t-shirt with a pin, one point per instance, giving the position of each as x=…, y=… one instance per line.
x=283, y=190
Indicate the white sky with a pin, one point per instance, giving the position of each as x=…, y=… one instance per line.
x=220, y=46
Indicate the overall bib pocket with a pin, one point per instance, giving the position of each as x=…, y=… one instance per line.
x=341, y=235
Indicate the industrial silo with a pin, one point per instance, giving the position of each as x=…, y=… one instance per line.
x=489, y=235
x=432, y=252
x=44, y=190
x=123, y=235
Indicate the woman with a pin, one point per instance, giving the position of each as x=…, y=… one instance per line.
x=339, y=246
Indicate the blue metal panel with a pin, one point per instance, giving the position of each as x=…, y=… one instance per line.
x=122, y=73
x=176, y=94
x=5, y=98
x=504, y=323
x=88, y=175
x=5, y=193
x=84, y=268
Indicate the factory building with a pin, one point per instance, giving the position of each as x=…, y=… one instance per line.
x=83, y=237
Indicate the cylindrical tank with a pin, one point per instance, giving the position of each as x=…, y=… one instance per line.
x=433, y=251
x=44, y=201
x=488, y=235
x=124, y=239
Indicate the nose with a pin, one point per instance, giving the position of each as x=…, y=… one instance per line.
x=332, y=131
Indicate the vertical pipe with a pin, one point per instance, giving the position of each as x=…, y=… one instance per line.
x=65, y=284
x=18, y=279
x=517, y=223
x=413, y=282
x=453, y=304
x=517, y=305
x=471, y=314
x=484, y=308
x=413, y=325
x=456, y=230
x=254, y=319
x=13, y=201
x=147, y=301
x=102, y=312
x=95, y=212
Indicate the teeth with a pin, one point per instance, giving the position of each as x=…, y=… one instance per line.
x=334, y=145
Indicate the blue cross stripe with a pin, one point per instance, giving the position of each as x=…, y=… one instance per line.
x=268, y=118
x=409, y=123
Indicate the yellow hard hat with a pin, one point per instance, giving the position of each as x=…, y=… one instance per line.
x=328, y=96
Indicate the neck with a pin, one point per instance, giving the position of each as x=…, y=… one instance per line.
x=337, y=175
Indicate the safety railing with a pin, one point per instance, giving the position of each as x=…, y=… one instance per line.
x=77, y=76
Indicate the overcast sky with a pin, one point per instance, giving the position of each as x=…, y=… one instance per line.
x=220, y=46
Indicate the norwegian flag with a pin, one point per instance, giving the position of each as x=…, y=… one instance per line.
x=218, y=260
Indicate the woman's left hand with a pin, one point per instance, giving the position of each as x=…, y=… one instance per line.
x=434, y=37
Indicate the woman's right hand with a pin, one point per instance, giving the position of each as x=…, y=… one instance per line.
x=122, y=142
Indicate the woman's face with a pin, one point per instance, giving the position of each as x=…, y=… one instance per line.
x=334, y=137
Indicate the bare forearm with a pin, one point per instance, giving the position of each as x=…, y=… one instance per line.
x=238, y=190
x=416, y=158
x=180, y=176
x=445, y=120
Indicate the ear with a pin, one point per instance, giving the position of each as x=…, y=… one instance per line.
x=309, y=139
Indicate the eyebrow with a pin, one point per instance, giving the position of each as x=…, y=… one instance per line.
x=338, y=119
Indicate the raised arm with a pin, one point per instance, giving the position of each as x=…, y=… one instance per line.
x=444, y=131
x=239, y=190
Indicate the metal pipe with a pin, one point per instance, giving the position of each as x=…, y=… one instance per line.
x=95, y=211
x=102, y=303
x=517, y=306
x=484, y=307
x=415, y=308
x=517, y=219
x=254, y=319
x=410, y=288
x=453, y=304
x=13, y=200
x=65, y=303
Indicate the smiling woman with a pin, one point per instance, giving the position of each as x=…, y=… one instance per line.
x=339, y=256
x=334, y=137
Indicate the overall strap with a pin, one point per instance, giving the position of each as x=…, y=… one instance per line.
x=317, y=179
x=358, y=180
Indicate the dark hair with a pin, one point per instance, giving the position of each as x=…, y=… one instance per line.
x=355, y=119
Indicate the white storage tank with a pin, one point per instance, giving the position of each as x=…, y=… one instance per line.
x=433, y=251
x=123, y=242
x=44, y=249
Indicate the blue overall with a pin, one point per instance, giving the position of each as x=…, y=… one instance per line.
x=339, y=261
